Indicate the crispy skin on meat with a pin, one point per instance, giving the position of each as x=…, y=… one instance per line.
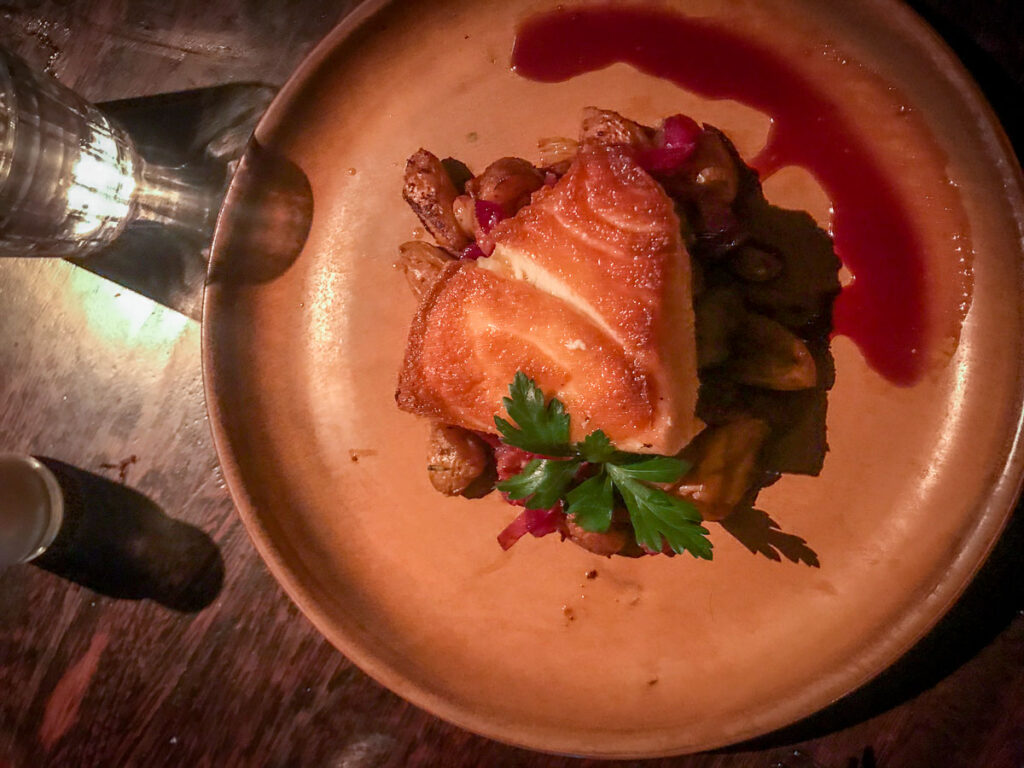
x=430, y=192
x=475, y=330
x=588, y=293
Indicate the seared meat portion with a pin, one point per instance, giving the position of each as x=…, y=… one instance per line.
x=546, y=254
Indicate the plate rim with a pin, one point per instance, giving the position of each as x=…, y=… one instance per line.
x=870, y=661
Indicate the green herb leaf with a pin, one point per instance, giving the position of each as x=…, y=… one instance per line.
x=543, y=482
x=591, y=503
x=659, y=517
x=596, y=448
x=542, y=427
x=539, y=427
x=655, y=469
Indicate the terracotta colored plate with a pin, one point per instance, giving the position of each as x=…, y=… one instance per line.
x=653, y=656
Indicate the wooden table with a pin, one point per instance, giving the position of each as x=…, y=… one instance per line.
x=154, y=636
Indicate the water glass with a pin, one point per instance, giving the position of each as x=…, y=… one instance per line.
x=67, y=173
x=71, y=179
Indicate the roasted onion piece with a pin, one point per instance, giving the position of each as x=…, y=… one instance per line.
x=430, y=192
x=602, y=126
x=556, y=150
x=422, y=263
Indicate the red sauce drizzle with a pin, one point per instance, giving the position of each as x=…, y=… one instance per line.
x=883, y=311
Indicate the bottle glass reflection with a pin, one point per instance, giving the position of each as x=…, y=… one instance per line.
x=31, y=508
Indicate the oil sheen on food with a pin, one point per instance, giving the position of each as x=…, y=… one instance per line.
x=883, y=311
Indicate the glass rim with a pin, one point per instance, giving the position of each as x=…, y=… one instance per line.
x=8, y=116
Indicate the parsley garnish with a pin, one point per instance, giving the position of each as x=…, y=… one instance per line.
x=592, y=501
x=596, y=448
x=542, y=427
x=542, y=482
x=539, y=428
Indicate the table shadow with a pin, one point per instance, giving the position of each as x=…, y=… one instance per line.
x=962, y=26
x=118, y=542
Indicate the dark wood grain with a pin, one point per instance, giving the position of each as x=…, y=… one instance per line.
x=149, y=672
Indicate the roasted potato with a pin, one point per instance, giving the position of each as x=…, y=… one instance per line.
x=767, y=354
x=459, y=462
x=508, y=182
x=718, y=313
x=713, y=170
x=725, y=466
x=606, y=544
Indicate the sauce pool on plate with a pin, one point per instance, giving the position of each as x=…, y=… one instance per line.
x=883, y=309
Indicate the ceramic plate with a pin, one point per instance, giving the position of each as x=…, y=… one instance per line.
x=651, y=656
